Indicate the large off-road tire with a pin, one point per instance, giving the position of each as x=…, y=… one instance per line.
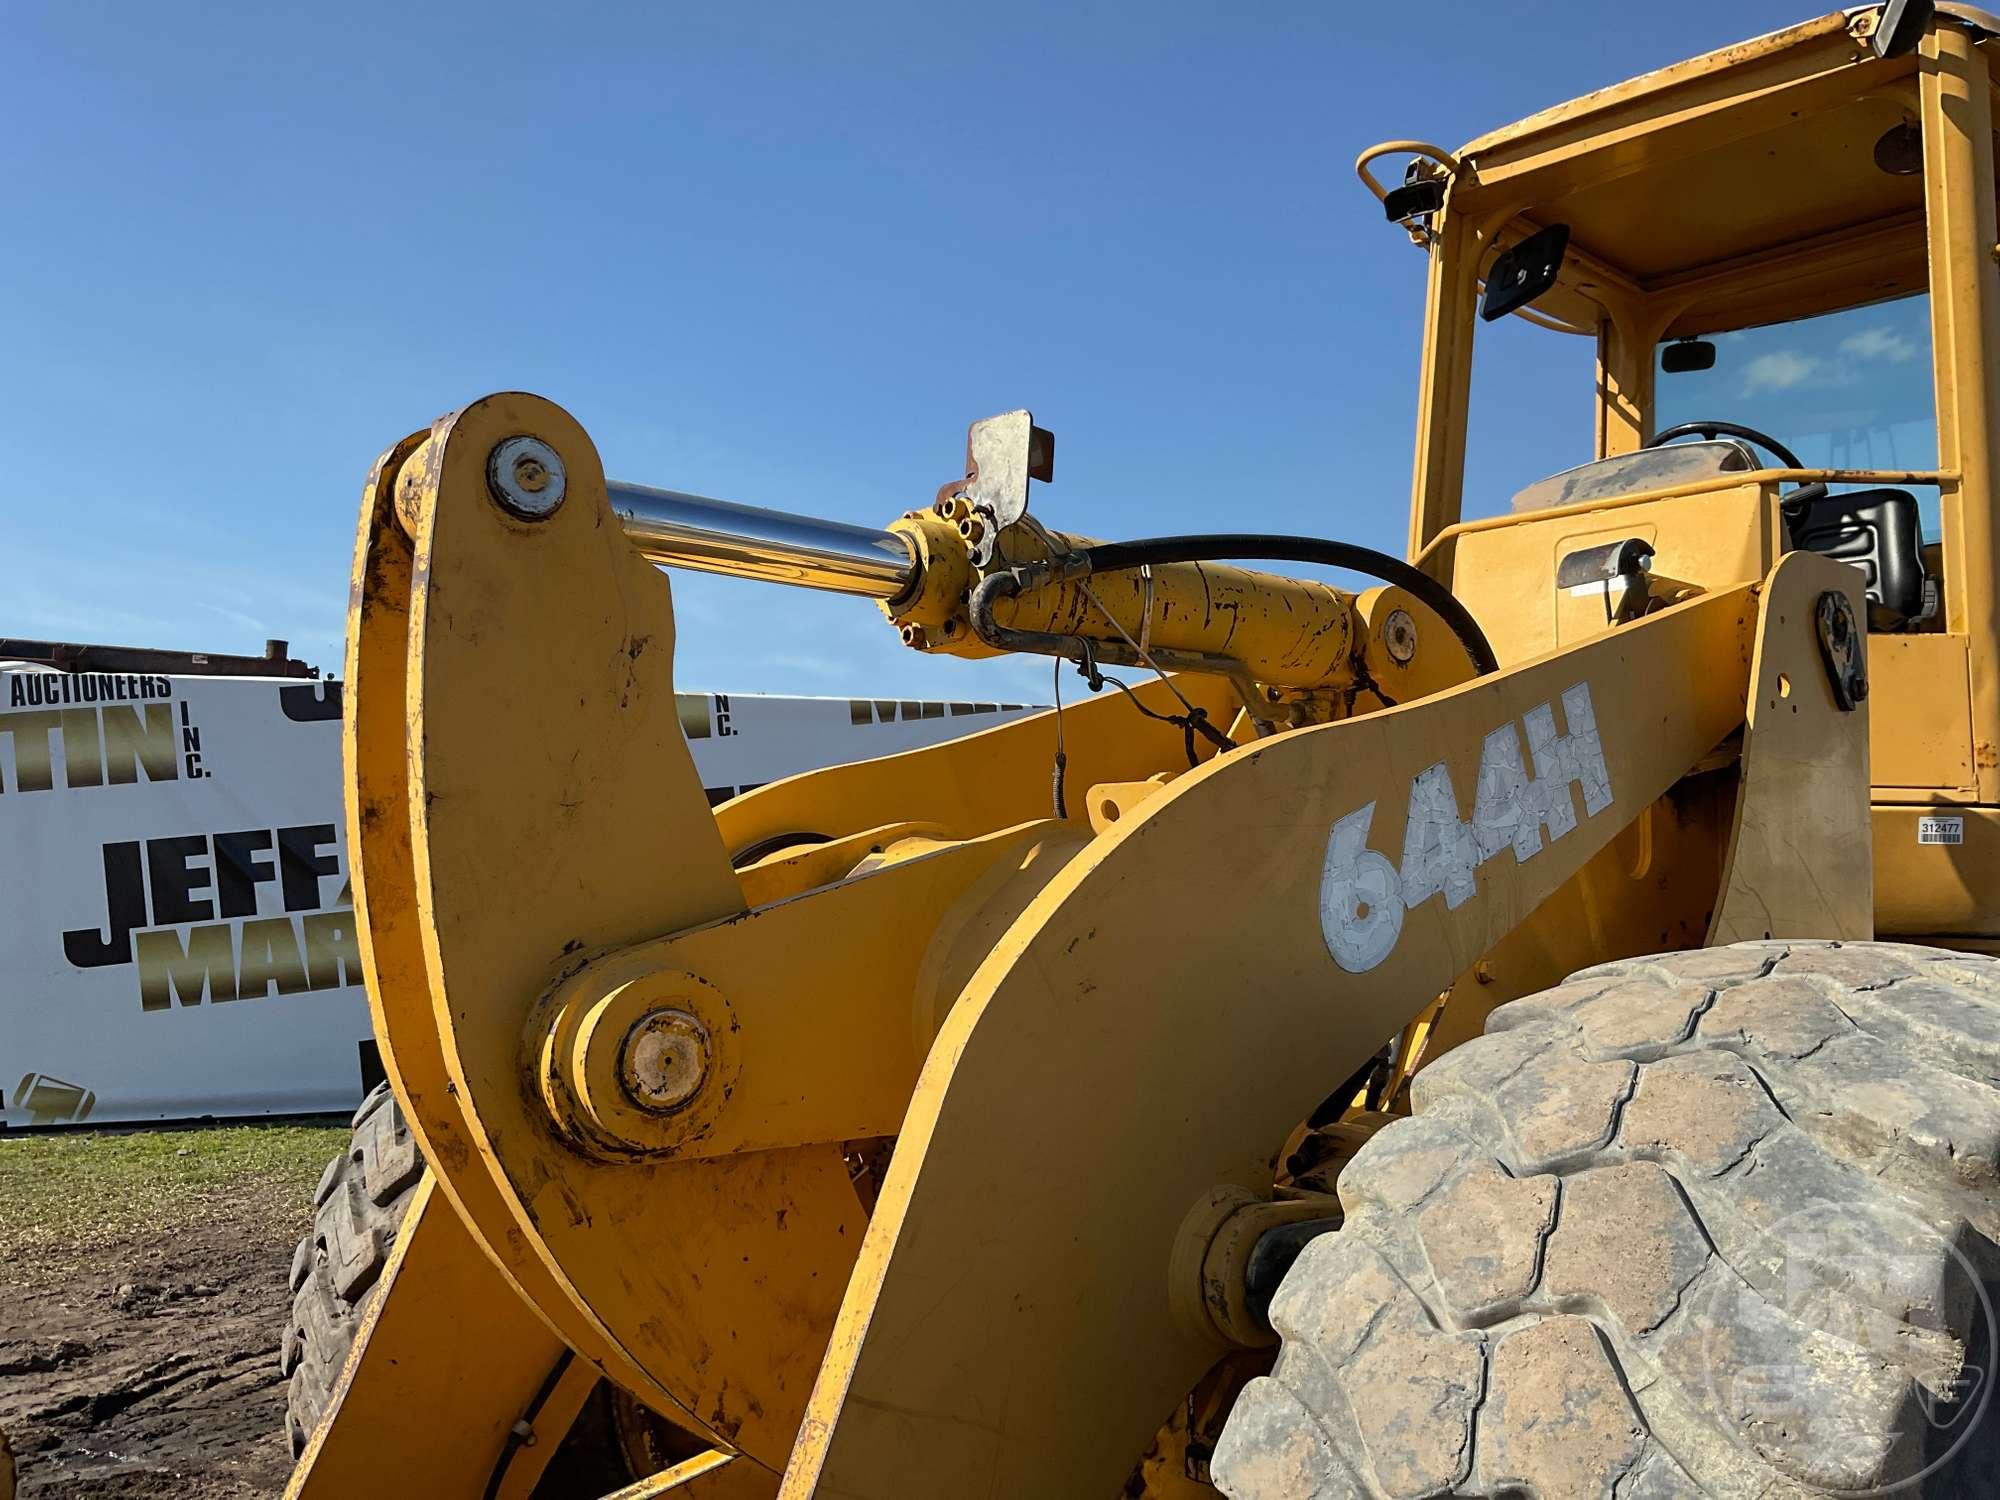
x=357, y=1208
x=1713, y=1223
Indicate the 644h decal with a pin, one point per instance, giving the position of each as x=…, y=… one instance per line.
x=1363, y=896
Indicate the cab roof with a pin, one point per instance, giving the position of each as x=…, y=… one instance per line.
x=1760, y=147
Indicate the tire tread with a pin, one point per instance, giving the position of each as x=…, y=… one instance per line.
x=1568, y=1269
x=358, y=1206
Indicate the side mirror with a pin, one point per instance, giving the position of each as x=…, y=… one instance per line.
x=1522, y=272
x=1415, y=199
x=1899, y=26
x=1683, y=356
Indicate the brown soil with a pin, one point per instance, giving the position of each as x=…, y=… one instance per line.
x=152, y=1369
x=142, y=1296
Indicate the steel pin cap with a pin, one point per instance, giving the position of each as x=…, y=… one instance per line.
x=664, y=1060
x=527, y=477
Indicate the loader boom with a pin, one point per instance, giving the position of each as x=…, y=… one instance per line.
x=695, y=1060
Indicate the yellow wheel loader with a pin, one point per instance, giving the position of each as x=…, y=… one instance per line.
x=1250, y=1077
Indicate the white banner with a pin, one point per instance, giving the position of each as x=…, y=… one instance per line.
x=176, y=926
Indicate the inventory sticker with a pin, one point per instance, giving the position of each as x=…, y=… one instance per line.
x=1941, y=830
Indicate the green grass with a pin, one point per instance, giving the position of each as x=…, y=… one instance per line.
x=71, y=1190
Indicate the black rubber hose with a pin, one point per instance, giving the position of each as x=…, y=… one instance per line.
x=1110, y=557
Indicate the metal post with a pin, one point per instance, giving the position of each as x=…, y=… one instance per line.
x=1957, y=119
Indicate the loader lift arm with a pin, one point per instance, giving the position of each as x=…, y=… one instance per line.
x=637, y=1072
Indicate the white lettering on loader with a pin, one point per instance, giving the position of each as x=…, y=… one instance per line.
x=1363, y=896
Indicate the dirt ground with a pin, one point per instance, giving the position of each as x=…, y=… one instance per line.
x=142, y=1296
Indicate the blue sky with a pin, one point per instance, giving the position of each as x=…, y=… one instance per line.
x=776, y=253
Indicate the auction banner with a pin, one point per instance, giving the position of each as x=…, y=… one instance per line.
x=176, y=924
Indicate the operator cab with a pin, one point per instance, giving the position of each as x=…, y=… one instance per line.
x=1743, y=276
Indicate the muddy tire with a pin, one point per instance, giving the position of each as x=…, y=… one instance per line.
x=1716, y=1223
x=357, y=1208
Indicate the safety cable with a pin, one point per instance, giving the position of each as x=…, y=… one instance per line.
x=1188, y=723
x=1193, y=719
x=1062, y=760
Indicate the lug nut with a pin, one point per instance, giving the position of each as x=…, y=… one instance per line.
x=526, y=476
x=664, y=1060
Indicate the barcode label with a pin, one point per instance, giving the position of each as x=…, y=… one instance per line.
x=1941, y=830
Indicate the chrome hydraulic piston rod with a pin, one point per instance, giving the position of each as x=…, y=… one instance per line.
x=719, y=536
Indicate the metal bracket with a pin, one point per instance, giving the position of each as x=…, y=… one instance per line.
x=1840, y=649
x=1800, y=860
x=1001, y=455
x=1898, y=27
x=1623, y=563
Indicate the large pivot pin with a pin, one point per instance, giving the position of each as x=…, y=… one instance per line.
x=527, y=478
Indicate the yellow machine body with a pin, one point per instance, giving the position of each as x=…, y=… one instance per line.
x=898, y=1129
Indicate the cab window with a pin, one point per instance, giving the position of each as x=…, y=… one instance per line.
x=1843, y=390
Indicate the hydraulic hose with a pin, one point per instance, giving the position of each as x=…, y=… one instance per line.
x=1263, y=547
